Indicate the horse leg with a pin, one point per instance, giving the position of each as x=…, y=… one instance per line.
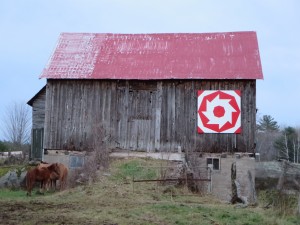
x=45, y=185
x=42, y=186
x=53, y=182
x=49, y=184
x=28, y=185
x=63, y=183
x=29, y=188
x=60, y=184
x=28, y=191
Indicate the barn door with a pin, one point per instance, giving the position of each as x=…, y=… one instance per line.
x=37, y=144
x=140, y=134
x=141, y=116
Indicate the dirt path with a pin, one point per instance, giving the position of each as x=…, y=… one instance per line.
x=39, y=212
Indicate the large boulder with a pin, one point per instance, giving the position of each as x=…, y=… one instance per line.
x=13, y=179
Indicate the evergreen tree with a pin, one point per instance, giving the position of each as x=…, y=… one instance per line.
x=267, y=123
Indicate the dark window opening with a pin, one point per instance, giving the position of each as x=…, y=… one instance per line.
x=213, y=163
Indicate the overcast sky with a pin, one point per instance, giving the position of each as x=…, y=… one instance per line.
x=29, y=31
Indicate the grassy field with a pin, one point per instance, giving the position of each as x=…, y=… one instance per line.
x=113, y=200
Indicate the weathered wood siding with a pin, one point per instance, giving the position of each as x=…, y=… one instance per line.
x=141, y=115
x=38, y=121
x=38, y=110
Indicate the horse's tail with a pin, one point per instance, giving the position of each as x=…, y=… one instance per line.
x=26, y=179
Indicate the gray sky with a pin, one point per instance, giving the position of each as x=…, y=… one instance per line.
x=29, y=31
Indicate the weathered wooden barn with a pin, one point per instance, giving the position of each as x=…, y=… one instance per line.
x=142, y=92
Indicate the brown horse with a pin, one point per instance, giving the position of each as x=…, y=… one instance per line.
x=53, y=175
x=62, y=175
x=41, y=174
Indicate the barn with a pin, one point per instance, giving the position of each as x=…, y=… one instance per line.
x=162, y=92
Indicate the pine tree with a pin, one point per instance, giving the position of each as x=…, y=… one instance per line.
x=267, y=124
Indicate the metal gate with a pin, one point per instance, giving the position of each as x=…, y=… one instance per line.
x=198, y=181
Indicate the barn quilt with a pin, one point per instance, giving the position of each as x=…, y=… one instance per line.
x=219, y=111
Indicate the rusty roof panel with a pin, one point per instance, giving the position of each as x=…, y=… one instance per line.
x=230, y=55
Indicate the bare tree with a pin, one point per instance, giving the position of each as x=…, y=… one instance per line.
x=265, y=145
x=296, y=145
x=288, y=144
x=17, y=124
x=286, y=147
x=266, y=133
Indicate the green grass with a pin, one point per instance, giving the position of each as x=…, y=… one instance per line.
x=20, y=194
x=6, y=193
x=207, y=214
x=135, y=169
x=111, y=200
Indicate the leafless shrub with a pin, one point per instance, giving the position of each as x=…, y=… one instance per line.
x=95, y=161
x=195, y=175
x=285, y=199
x=282, y=203
x=101, y=150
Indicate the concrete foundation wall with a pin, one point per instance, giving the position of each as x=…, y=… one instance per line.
x=62, y=156
x=221, y=185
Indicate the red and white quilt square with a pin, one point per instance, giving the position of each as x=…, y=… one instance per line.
x=219, y=111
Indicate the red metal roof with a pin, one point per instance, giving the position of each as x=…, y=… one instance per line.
x=230, y=55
